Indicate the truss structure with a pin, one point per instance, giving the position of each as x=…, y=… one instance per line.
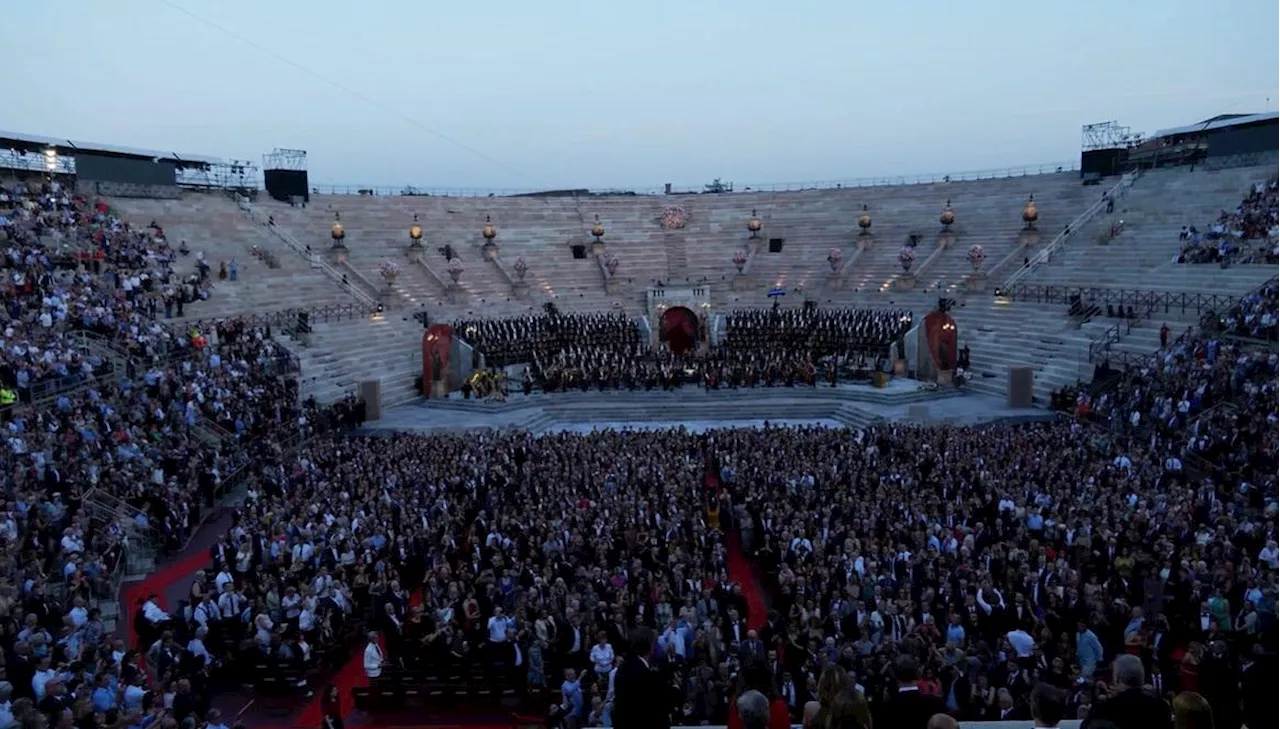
x=46, y=163
x=224, y=175
x=1108, y=135
x=285, y=159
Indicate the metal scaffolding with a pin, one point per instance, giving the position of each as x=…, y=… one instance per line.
x=285, y=159
x=1108, y=135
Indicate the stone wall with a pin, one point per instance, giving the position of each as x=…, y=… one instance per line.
x=127, y=189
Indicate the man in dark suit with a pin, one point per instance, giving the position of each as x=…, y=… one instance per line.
x=640, y=694
x=908, y=708
x=1129, y=707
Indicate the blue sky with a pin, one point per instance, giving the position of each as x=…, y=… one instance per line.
x=570, y=93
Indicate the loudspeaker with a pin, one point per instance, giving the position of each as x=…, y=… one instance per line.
x=1021, y=382
x=284, y=185
x=371, y=393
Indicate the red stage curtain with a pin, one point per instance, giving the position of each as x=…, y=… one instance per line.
x=941, y=336
x=679, y=329
x=436, y=341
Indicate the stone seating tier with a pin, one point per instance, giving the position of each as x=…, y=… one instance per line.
x=214, y=224
x=1142, y=256
x=810, y=222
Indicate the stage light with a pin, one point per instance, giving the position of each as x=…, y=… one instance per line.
x=51, y=159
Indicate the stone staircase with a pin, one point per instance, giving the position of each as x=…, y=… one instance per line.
x=677, y=251
x=337, y=356
x=1001, y=334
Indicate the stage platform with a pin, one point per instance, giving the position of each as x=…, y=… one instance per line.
x=847, y=405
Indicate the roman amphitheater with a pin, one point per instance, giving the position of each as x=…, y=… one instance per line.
x=297, y=457
x=1044, y=238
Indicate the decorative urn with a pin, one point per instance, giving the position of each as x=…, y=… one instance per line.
x=754, y=224
x=521, y=267
x=864, y=220
x=597, y=229
x=1029, y=213
x=948, y=215
x=337, y=232
x=740, y=259
x=415, y=233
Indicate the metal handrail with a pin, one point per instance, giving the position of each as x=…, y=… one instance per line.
x=1169, y=300
x=1045, y=254
x=1102, y=343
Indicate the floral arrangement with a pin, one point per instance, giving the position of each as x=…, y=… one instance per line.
x=834, y=257
x=673, y=218
x=611, y=263
x=977, y=254
x=521, y=267
x=389, y=270
x=740, y=259
x=906, y=256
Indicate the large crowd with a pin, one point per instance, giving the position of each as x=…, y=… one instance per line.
x=1255, y=316
x=1246, y=234
x=996, y=572
x=974, y=564
x=120, y=427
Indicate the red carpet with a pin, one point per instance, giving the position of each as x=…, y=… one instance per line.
x=350, y=676
x=739, y=568
x=156, y=583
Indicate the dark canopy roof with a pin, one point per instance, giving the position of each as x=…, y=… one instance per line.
x=34, y=144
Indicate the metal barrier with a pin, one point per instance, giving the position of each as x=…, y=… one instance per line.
x=878, y=181
x=1165, y=301
x=1045, y=254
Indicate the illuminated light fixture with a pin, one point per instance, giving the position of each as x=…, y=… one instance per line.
x=51, y=159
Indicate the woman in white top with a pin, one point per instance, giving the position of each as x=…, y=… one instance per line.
x=602, y=655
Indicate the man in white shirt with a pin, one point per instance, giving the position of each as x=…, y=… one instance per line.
x=1022, y=642
x=1270, y=554
x=152, y=612
x=602, y=655
x=498, y=625
x=43, y=675
x=373, y=657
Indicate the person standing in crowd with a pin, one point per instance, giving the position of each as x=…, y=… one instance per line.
x=907, y=707
x=1191, y=711
x=753, y=707
x=639, y=691
x=1129, y=705
x=1048, y=706
x=374, y=658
